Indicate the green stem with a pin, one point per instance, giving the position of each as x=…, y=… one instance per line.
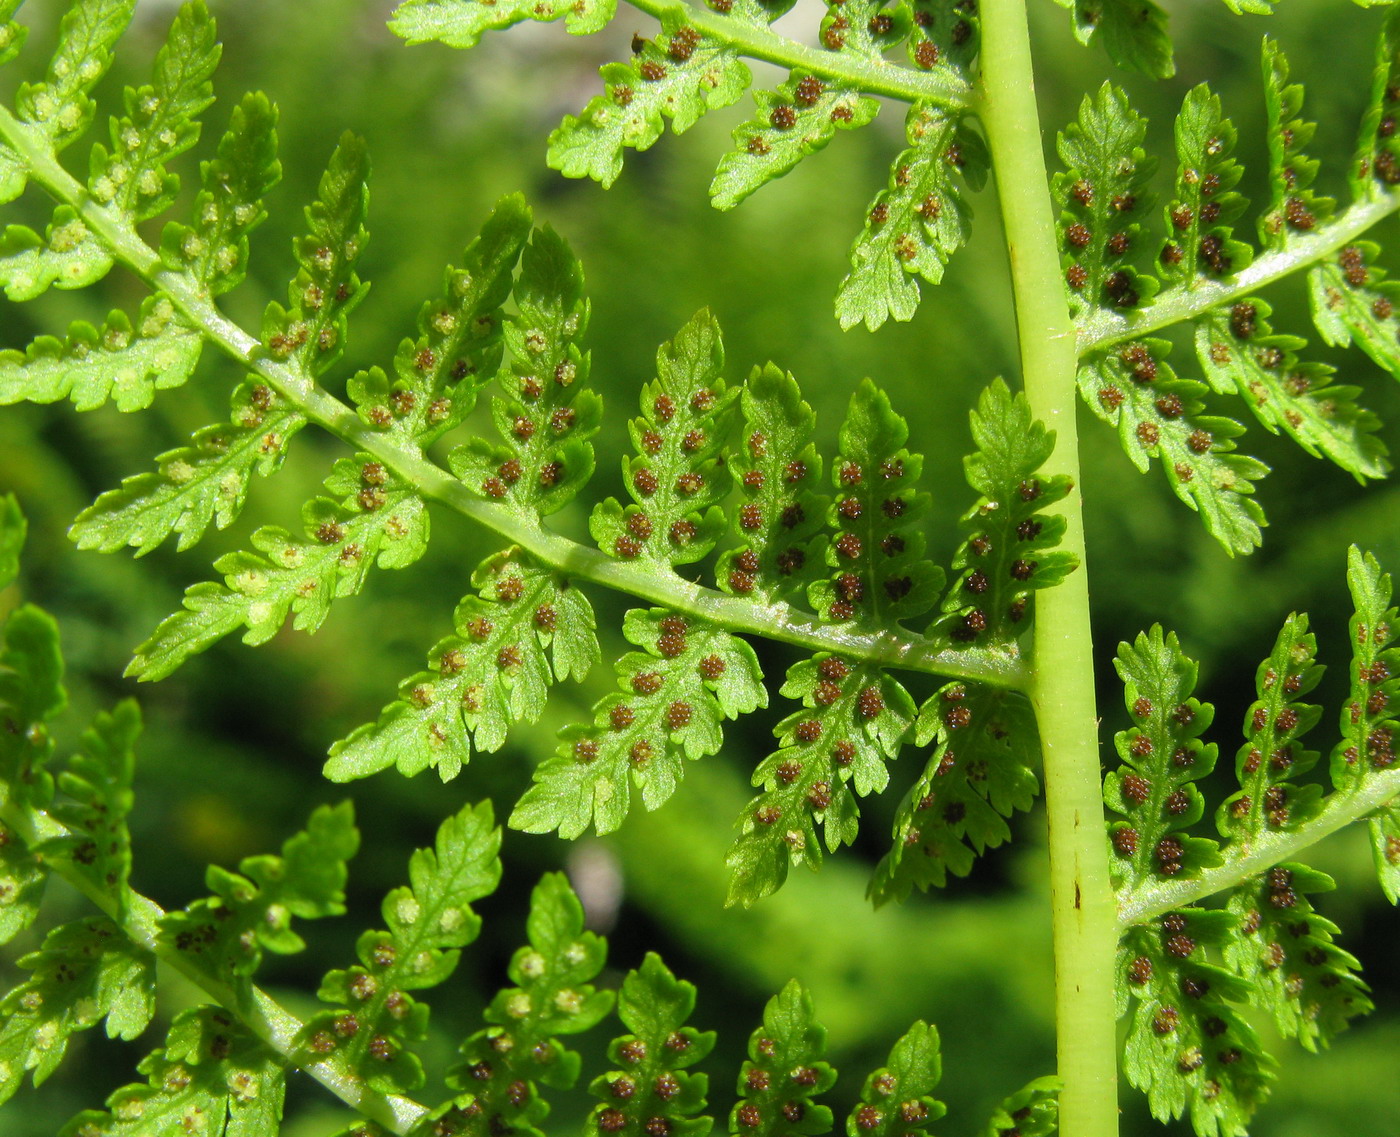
x=1186, y=302
x=1266, y=850
x=997, y=666
x=942, y=87
x=1062, y=680
x=263, y=1016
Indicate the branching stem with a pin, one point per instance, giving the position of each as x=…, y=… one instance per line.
x=276, y=1027
x=1062, y=682
x=998, y=667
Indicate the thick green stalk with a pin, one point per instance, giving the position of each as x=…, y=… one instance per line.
x=1062, y=681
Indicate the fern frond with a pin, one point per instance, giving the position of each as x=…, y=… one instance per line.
x=31, y=693
x=429, y=921
x=85, y=972
x=525, y=628
x=784, y=1071
x=898, y=1098
x=1133, y=32
x=650, y=1088
x=22, y=880
x=210, y=1073
x=1032, y=1111
x=1295, y=204
x=503, y=1063
x=251, y=910
x=1385, y=850
x=1369, y=719
x=460, y=23
x=1353, y=302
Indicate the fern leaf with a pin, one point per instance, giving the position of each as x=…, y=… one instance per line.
x=1352, y=301
x=1133, y=32
x=211, y=1076
x=1369, y=722
x=916, y=224
x=653, y=1005
x=68, y=255
x=31, y=693
x=547, y=413
x=160, y=121
x=1163, y=757
x=1385, y=849
x=526, y=628
x=375, y=1018
x=12, y=532
x=854, y=719
x=13, y=174
x=865, y=28
x=461, y=23
x=1032, y=1111
x=1204, y=201
x=1187, y=1045
x=1104, y=198
x=1377, y=162
x=1010, y=550
x=680, y=76
x=197, y=485
x=1239, y=354
x=1273, y=751
x=503, y=1063
x=22, y=879
x=376, y=520
x=251, y=910
x=681, y=472
x=781, y=518
x=60, y=108
x=97, y=784
x=213, y=251
x=1284, y=949
x=981, y=771
x=1295, y=205
x=784, y=1071
x=86, y=971
x=1159, y=415
x=796, y=120
x=121, y=362
x=674, y=695
x=945, y=37
x=898, y=1098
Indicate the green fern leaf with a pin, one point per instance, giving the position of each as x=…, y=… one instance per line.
x=460, y=23
x=68, y=255
x=674, y=696
x=784, y=1071
x=548, y=413
x=1369, y=721
x=121, y=362
x=1104, y=198
x=796, y=120
x=97, y=784
x=197, y=485
x=12, y=532
x=1385, y=849
x=1032, y=1111
x=503, y=1063
x=865, y=29
x=1010, y=550
x=1204, y=201
x=1159, y=415
x=654, y=1005
x=1163, y=757
x=86, y=971
x=680, y=75
x=13, y=174
x=1291, y=172
x=22, y=879
x=681, y=472
x=1133, y=32
x=1273, y=752
x=1240, y=355
x=898, y=1098
x=1352, y=301
x=981, y=771
x=429, y=921
x=945, y=38
x=1377, y=162
x=916, y=224
x=213, y=251
x=211, y=1076
x=1187, y=1045
x=160, y=121
x=1284, y=950
x=780, y=520
x=854, y=719
x=31, y=693
x=251, y=910
x=493, y=672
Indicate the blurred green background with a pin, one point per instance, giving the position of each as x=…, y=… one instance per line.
x=230, y=763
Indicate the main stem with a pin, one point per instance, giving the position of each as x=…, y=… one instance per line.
x=1062, y=680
